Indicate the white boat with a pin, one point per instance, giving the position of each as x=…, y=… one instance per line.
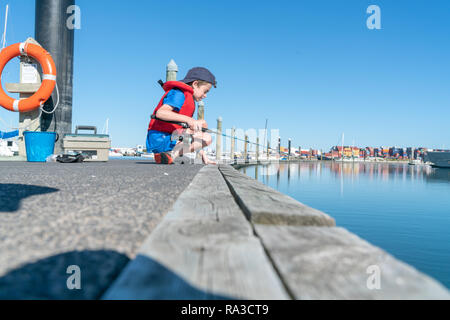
x=5, y=152
x=114, y=154
x=415, y=162
x=8, y=148
x=439, y=159
x=347, y=159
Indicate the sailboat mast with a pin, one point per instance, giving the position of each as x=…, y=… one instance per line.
x=4, y=30
x=265, y=134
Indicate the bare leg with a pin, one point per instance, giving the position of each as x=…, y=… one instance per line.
x=177, y=150
x=206, y=159
x=200, y=141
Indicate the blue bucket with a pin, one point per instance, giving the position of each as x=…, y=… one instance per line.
x=39, y=145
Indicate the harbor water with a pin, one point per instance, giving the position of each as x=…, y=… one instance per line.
x=400, y=208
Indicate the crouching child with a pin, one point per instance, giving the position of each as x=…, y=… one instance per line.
x=178, y=105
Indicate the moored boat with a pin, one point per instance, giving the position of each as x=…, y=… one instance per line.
x=439, y=159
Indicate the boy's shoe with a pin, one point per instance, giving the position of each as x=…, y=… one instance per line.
x=163, y=158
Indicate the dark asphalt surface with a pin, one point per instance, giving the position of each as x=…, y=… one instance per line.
x=93, y=215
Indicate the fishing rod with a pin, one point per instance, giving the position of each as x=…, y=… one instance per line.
x=186, y=126
x=182, y=124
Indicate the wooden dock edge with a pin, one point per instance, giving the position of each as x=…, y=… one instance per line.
x=210, y=246
x=322, y=261
x=204, y=248
x=263, y=205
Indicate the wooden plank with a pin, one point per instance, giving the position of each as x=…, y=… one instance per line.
x=263, y=205
x=332, y=263
x=203, y=249
x=207, y=197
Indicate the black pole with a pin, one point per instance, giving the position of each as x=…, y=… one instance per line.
x=279, y=146
x=289, y=148
x=54, y=35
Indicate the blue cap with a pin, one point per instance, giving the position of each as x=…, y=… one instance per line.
x=200, y=73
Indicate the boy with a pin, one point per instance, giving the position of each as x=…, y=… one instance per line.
x=178, y=105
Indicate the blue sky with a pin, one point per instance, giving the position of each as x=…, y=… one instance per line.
x=312, y=68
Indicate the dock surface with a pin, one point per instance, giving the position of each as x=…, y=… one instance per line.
x=95, y=215
x=138, y=230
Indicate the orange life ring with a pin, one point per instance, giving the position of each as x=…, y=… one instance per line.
x=48, y=79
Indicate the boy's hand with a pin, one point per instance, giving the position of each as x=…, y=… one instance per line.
x=197, y=125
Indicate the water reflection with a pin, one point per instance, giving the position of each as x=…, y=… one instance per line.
x=351, y=171
x=439, y=175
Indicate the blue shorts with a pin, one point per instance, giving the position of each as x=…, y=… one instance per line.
x=158, y=142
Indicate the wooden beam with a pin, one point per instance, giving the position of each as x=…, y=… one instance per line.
x=332, y=263
x=203, y=249
x=264, y=205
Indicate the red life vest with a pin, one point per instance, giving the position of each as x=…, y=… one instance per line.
x=187, y=109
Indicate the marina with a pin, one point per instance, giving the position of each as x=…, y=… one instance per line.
x=181, y=199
